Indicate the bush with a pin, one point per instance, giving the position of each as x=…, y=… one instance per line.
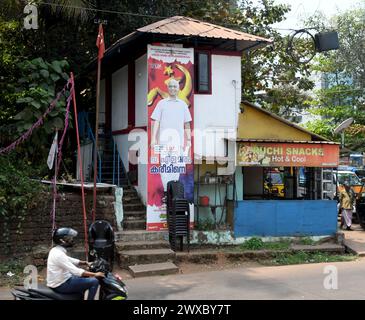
x=18, y=193
x=257, y=244
x=253, y=244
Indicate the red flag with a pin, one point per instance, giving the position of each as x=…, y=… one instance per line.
x=100, y=42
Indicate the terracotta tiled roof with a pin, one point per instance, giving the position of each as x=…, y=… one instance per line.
x=184, y=26
x=183, y=29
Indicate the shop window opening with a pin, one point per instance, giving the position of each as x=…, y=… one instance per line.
x=288, y=183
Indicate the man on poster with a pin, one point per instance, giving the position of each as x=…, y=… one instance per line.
x=172, y=120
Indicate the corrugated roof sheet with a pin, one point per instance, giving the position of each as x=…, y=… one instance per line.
x=184, y=26
x=282, y=141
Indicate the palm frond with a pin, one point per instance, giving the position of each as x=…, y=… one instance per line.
x=71, y=9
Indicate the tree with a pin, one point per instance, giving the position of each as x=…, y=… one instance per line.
x=271, y=77
x=343, y=78
x=66, y=33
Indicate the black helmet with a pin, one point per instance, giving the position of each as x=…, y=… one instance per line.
x=64, y=237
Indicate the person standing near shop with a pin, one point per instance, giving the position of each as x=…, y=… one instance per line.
x=347, y=201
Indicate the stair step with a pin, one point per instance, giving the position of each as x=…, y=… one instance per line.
x=133, y=201
x=135, y=216
x=152, y=269
x=133, y=206
x=134, y=257
x=130, y=196
x=129, y=193
x=129, y=189
x=142, y=245
x=141, y=235
x=133, y=213
x=134, y=224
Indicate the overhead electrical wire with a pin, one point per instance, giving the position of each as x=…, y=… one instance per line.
x=138, y=14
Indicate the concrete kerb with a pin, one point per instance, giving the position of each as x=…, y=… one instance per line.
x=230, y=255
x=226, y=237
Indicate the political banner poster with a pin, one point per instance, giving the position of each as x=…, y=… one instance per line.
x=170, y=103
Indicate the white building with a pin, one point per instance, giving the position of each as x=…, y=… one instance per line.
x=216, y=93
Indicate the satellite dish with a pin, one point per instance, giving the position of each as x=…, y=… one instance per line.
x=344, y=125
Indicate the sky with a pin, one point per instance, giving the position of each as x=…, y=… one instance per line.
x=302, y=9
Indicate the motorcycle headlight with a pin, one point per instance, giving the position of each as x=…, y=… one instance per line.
x=363, y=195
x=121, y=288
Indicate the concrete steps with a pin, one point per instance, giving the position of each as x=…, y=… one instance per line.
x=142, y=245
x=133, y=206
x=135, y=215
x=134, y=224
x=325, y=247
x=355, y=247
x=141, y=235
x=129, y=191
x=131, y=198
x=145, y=253
x=134, y=211
x=147, y=256
x=153, y=269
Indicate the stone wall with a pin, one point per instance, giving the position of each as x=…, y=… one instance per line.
x=36, y=228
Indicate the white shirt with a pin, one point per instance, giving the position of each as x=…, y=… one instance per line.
x=61, y=267
x=172, y=115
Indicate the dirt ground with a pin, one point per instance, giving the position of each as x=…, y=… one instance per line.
x=186, y=268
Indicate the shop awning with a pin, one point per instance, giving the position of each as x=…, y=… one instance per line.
x=287, y=153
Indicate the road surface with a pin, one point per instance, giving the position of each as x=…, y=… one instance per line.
x=304, y=282
x=284, y=282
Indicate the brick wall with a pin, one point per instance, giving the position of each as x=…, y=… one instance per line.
x=36, y=228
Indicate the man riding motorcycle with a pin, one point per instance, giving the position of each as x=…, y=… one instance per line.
x=63, y=275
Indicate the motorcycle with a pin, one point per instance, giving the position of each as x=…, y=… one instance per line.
x=111, y=287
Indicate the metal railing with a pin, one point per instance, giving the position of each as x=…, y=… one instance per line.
x=117, y=163
x=86, y=132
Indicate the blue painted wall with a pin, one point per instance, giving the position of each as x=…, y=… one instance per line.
x=285, y=218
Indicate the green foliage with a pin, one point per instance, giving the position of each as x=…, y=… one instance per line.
x=17, y=190
x=343, y=74
x=12, y=49
x=302, y=257
x=34, y=91
x=16, y=267
x=271, y=77
x=18, y=193
x=253, y=244
x=37, y=90
x=307, y=241
x=323, y=127
x=257, y=244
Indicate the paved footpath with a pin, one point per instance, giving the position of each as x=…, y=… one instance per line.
x=283, y=282
x=355, y=240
